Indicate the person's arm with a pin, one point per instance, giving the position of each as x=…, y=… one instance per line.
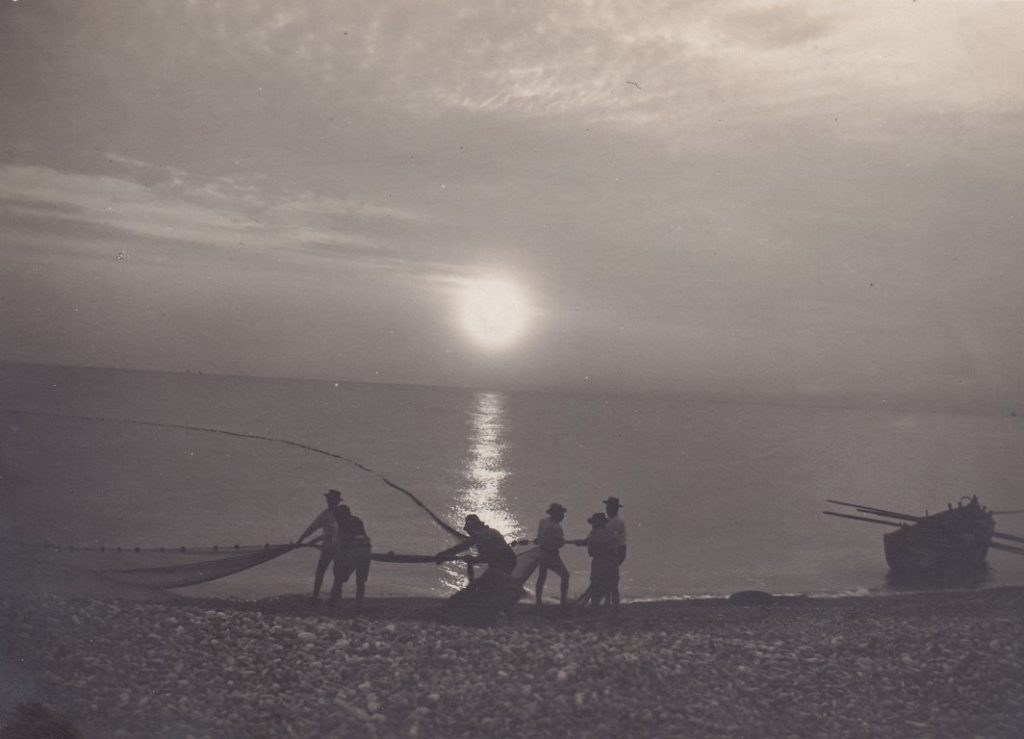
x=447, y=553
x=317, y=523
x=579, y=542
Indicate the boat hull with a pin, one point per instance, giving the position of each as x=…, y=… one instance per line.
x=955, y=541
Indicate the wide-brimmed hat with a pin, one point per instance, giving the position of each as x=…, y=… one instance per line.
x=612, y=501
x=332, y=495
x=597, y=518
x=556, y=508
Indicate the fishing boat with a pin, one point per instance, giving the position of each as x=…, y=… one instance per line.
x=956, y=539
x=950, y=544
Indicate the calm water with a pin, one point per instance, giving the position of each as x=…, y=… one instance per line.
x=718, y=497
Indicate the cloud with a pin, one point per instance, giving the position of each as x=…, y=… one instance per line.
x=221, y=214
x=777, y=25
x=321, y=206
x=771, y=162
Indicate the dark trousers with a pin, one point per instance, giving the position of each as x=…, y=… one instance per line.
x=346, y=562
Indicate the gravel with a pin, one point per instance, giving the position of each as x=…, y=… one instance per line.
x=917, y=665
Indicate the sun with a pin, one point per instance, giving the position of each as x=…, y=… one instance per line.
x=494, y=312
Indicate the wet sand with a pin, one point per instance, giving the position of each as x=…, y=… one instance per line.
x=947, y=664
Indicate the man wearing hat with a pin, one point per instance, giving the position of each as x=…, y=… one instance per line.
x=491, y=547
x=602, y=546
x=550, y=539
x=328, y=523
x=618, y=527
x=496, y=591
x=352, y=555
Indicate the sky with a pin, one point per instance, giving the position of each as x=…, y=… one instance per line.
x=771, y=201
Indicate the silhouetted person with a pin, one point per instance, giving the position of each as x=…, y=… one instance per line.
x=491, y=547
x=603, y=548
x=351, y=555
x=327, y=523
x=550, y=540
x=618, y=527
x=494, y=592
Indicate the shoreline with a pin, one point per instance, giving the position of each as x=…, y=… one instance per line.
x=28, y=575
x=940, y=664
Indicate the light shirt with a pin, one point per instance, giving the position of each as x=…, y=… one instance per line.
x=618, y=527
x=328, y=522
x=550, y=536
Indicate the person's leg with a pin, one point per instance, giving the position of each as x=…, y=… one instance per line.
x=615, y=587
x=542, y=575
x=563, y=574
x=362, y=574
x=335, y=592
x=338, y=581
x=342, y=569
x=326, y=557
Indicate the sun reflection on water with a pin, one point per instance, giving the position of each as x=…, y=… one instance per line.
x=484, y=472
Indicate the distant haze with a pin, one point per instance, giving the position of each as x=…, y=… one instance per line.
x=764, y=200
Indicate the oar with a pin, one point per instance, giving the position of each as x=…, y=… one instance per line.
x=876, y=511
x=1006, y=548
x=1009, y=537
x=860, y=518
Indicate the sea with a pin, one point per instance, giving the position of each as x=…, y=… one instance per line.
x=718, y=497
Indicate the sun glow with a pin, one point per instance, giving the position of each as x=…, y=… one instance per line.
x=493, y=312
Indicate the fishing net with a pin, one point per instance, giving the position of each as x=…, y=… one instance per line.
x=157, y=568
x=526, y=563
x=172, y=568
x=180, y=567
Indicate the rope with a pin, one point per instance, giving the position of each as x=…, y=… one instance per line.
x=245, y=435
x=215, y=549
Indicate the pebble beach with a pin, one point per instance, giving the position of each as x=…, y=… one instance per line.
x=947, y=664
